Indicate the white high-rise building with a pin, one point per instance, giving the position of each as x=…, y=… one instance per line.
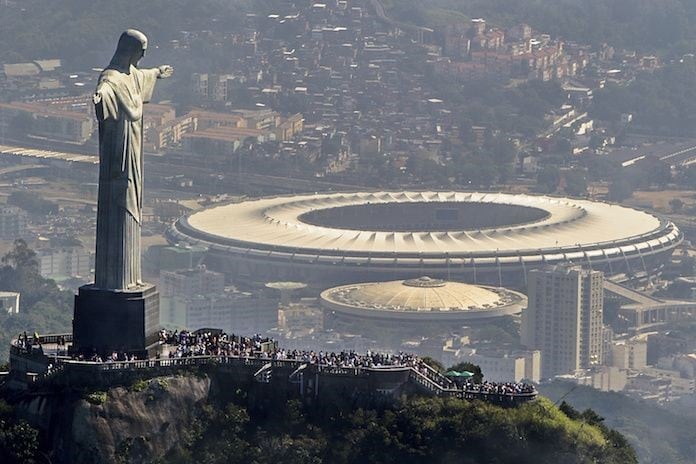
x=9, y=301
x=63, y=262
x=197, y=298
x=191, y=282
x=564, y=318
x=13, y=223
x=501, y=366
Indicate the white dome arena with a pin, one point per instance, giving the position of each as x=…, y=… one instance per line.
x=422, y=300
x=478, y=237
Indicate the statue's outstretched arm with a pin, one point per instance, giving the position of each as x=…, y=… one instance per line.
x=165, y=71
x=149, y=76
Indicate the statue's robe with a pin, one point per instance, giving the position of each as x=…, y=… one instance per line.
x=119, y=109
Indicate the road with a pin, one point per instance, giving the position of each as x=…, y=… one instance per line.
x=683, y=157
x=20, y=168
x=381, y=14
x=630, y=294
x=163, y=166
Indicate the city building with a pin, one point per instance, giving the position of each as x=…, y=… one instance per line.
x=170, y=133
x=171, y=258
x=218, y=133
x=659, y=385
x=221, y=140
x=64, y=262
x=197, y=298
x=49, y=121
x=502, y=366
x=157, y=119
x=9, y=302
x=630, y=354
x=604, y=378
x=38, y=78
x=476, y=50
x=191, y=282
x=13, y=223
x=232, y=311
x=302, y=317
x=564, y=318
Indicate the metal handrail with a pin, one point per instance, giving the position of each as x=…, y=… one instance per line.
x=427, y=379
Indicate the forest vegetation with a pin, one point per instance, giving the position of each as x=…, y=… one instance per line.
x=44, y=308
x=405, y=431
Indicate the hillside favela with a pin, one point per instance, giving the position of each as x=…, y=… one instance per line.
x=348, y=231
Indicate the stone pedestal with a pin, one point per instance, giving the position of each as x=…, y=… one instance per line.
x=105, y=321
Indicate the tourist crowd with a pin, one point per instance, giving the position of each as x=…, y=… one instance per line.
x=503, y=388
x=215, y=343
x=200, y=343
x=25, y=343
x=113, y=357
x=182, y=344
x=348, y=359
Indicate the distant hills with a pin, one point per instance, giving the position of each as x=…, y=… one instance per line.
x=633, y=24
x=657, y=434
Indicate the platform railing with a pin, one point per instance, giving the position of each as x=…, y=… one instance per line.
x=422, y=375
x=31, y=341
x=421, y=379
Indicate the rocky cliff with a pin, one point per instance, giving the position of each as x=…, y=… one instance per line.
x=135, y=424
x=197, y=417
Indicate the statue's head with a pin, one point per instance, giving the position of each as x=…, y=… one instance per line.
x=131, y=48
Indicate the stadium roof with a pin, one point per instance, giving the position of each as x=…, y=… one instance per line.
x=564, y=225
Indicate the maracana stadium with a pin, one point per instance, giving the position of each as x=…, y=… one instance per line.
x=489, y=238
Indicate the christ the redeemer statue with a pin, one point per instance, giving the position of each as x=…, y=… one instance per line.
x=120, y=312
x=122, y=90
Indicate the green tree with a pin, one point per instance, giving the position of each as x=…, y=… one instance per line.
x=569, y=410
x=548, y=179
x=19, y=443
x=600, y=168
x=32, y=202
x=687, y=266
x=21, y=257
x=470, y=367
x=20, y=125
x=501, y=150
x=676, y=204
x=575, y=183
x=620, y=189
x=661, y=102
x=434, y=363
x=44, y=307
x=687, y=176
x=564, y=146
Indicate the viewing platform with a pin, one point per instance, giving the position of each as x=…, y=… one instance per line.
x=37, y=364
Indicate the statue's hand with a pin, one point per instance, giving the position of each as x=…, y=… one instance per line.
x=165, y=71
x=96, y=98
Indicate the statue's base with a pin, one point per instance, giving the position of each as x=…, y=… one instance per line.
x=123, y=321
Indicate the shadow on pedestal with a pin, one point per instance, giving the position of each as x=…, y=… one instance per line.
x=105, y=321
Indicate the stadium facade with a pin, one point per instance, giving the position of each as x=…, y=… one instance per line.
x=490, y=238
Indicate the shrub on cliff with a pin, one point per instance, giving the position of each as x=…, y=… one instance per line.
x=19, y=443
x=414, y=431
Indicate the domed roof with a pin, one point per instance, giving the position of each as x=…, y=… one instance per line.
x=286, y=285
x=423, y=294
